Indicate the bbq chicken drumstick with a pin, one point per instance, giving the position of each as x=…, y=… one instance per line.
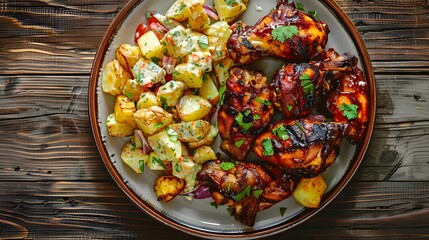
x=285, y=32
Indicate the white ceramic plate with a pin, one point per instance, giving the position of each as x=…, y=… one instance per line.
x=198, y=217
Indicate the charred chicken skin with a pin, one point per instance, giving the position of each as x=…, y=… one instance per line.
x=269, y=37
x=296, y=87
x=246, y=187
x=245, y=111
x=348, y=93
x=305, y=147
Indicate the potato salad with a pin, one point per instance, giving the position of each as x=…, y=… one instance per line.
x=167, y=89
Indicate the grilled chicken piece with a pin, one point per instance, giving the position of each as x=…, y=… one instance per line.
x=246, y=187
x=245, y=111
x=296, y=87
x=348, y=93
x=305, y=147
x=250, y=43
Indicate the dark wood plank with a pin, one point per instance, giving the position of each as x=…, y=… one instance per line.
x=100, y=210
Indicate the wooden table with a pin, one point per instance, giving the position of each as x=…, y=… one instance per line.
x=54, y=184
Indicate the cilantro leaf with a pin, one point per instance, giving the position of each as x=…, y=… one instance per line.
x=214, y=204
x=299, y=6
x=313, y=14
x=282, y=211
x=285, y=32
x=307, y=84
x=244, y=193
x=244, y=125
x=289, y=107
x=239, y=143
x=262, y=101
x=349, y=110
x=268, y=147
x=226, y=165
x=281, y=132
x=257, y=193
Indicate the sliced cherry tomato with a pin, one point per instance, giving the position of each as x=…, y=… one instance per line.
x=141, y=29
x=158, y=29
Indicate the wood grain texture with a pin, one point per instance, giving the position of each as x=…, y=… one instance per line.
x=53, y=184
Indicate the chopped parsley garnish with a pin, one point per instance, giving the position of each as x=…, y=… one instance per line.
x=244, y=193
x=289, y=107
x=129, y=95
x=282, y=211
x=281, y=132
x=226, y=165
x=172, y=135
x=222, y=90
x=307, y=84
x=262, y=101
x=239, y=143
x=229, y=187
x=230, y=2
x=256, y=117
x=141, y=165
x=203, y=42
x=257, y=193
x=349, y=110
x=164, y=103
x=244, y=125
x=313, y=14
x=268, y=147
x=300, y=126
x=177, y=168
x=158, y=125
x=214, y=204
x=155, y=60
x=285, y=32
x=299, y=6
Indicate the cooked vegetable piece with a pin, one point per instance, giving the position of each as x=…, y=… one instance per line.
x=147, y=99
x=202, y=60
x=117, y=129
x=124, y=109
x=169, y=93
x=134, y=157
x=190, y=74
x=165, y=144
x=191, y=178
x=209, y=90
x=179, y=10
x=128, y=55
x=198, y=20
x=148, y=73
x=150, y=47
x=204, y=154
x=114, y=78
x=207, y=140
x=229, y=10
x=156, y=161
x=133, y=90
x=309, y=191
x=168, y=187
x=152, y=119
x=222, y=70
x=217, y=48
x=175, y=42
x=182, y=167
x=219, y=30
x=193, y=107
x=192, y=131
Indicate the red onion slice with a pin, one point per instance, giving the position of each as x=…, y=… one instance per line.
x=145, y=146
x=211, y=12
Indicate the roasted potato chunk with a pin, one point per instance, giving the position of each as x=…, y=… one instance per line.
x=182, y=167
x=166, y=143
x=128, y=55
x=148, y=73
x=134, y=157
x=169, y=93
x=114, y=78
x=198, y=20
x=222, y=70
x=309, y=191
x=193, y=107
x=147, y=99
x=209, y=90
x=219, y=30
x=192, y=131
x=157, y=162
x=150, y=47
x=229, y=10
x=190, y=74
x=207, y=140
x=204, y=154
x=152, y=119
x=124, y=109
x=168, y=187
x=117, y=129
x=133, y=90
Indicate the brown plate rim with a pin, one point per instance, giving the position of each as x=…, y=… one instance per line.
x=339, y=13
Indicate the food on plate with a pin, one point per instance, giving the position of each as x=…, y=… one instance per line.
x=244, y=112
x=183, y=70
x=295, y=88
x=285, y=32
x=246, y=188
x=309, y=191
x=305, y=147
